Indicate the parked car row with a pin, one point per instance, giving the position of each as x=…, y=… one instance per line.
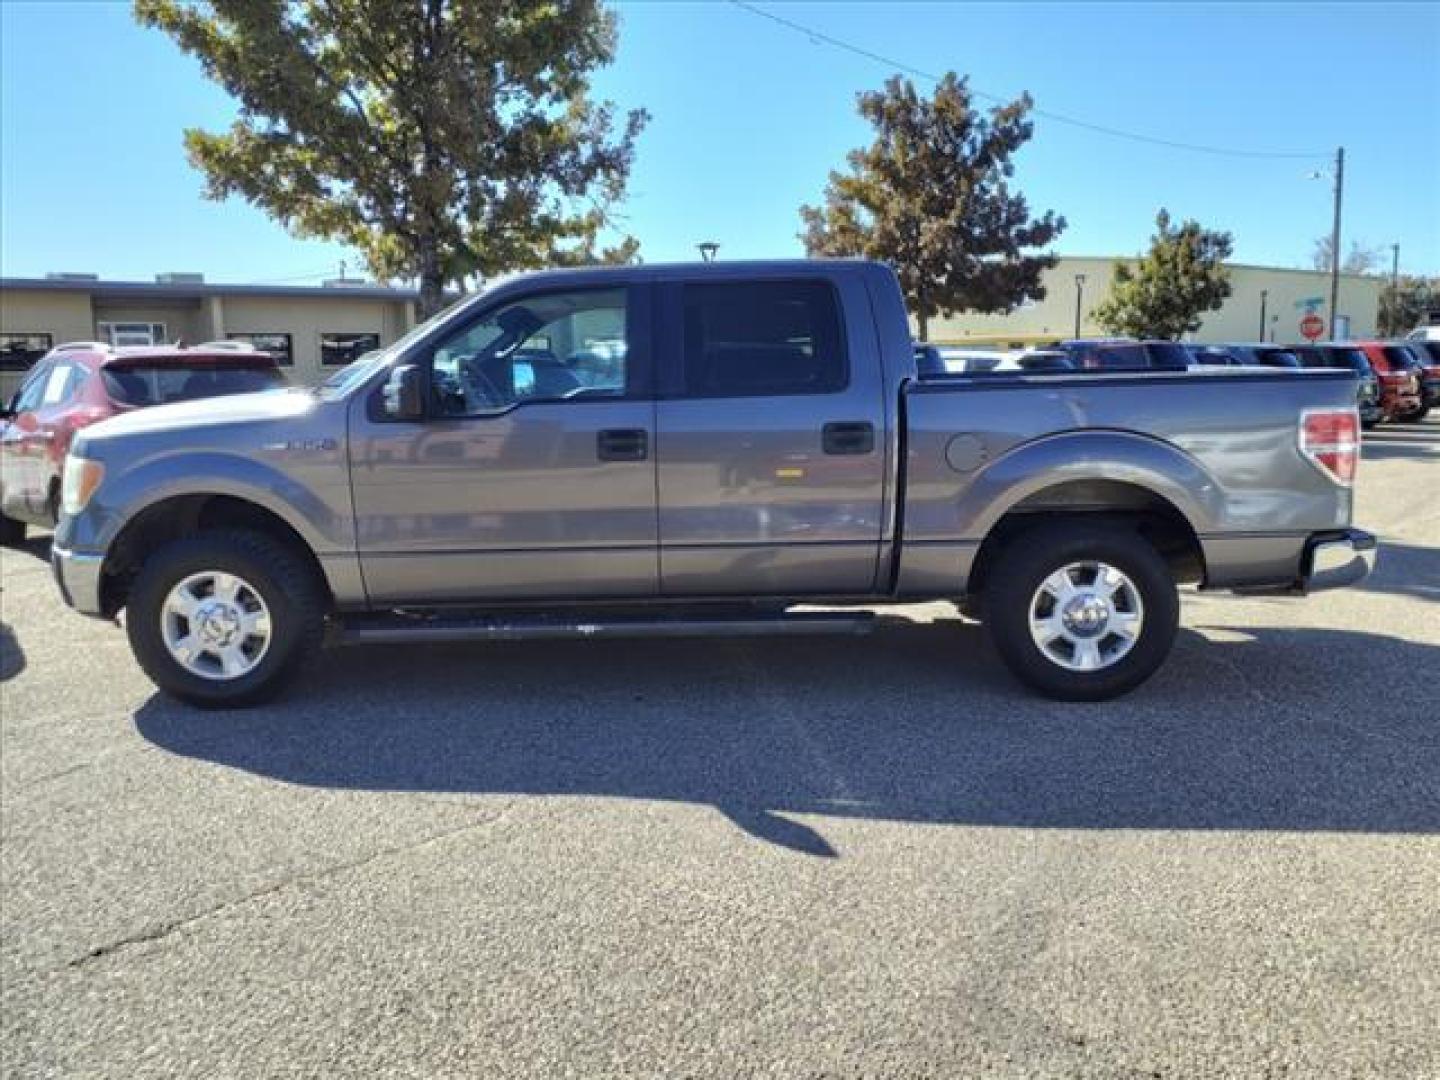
x=1399, y=380
x=83, y=382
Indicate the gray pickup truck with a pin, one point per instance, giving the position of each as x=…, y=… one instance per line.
x=683, y=450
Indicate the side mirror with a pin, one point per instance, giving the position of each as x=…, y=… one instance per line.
x=402, y=396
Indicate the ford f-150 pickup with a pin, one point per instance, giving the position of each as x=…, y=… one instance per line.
x=699, y=450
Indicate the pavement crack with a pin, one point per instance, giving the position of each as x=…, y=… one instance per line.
x=166, y=929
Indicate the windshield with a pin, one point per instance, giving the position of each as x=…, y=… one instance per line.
x=159, y=384
x=360, y=370
x=355, y=372
x=1400, y=358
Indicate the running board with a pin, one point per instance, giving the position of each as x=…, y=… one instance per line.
x=387, y=630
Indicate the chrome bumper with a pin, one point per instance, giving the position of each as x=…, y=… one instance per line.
x=78, y=577
x=1334, y=560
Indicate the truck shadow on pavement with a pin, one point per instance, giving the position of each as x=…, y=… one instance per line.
x=1272, y=729
x=1405, y=570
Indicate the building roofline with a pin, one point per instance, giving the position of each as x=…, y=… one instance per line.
x=1235, y=266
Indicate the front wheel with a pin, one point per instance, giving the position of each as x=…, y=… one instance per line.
x=224, y=618
x=1082, y=612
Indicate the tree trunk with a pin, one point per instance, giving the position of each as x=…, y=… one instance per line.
x=432, y=280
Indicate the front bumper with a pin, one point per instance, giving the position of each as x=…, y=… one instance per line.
x=1335, y=559
x=78, y=577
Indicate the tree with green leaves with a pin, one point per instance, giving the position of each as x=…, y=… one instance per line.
x=932, y=196
x=440, y=138
x=1170, y=287
x=1406, y=304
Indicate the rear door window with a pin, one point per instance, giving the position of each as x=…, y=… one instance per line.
x=771, y=338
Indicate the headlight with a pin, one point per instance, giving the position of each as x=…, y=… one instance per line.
x=82, y=477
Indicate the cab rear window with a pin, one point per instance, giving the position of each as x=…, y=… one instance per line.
x=160, y=384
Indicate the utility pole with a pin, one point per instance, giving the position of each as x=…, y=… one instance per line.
x=1079, y=289
x=1335, y=241
x=1264, y=295
x=1394, y=266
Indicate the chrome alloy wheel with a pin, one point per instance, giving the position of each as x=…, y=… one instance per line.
x=1086, y=616
x=215, y=625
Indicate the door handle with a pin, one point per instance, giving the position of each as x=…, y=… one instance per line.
x=622, y=444
x=848, y=437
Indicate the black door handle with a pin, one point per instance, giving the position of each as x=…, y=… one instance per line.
x=622, y=444
x=848, y=437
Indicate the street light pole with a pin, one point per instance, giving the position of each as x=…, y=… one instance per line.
x=1264, y=295
x=1079, y=289
x=1335, y=241
x=1394, y=266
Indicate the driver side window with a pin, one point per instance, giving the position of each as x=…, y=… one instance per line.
x=552, y=347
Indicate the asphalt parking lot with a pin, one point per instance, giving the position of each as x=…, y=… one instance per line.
x=784, y=858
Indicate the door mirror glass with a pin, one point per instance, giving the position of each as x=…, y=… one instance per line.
x=402, y=395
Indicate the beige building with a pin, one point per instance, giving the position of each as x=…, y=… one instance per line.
x=311, y=329
x=1274, y=298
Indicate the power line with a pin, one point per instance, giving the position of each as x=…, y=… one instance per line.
x=1059, y=118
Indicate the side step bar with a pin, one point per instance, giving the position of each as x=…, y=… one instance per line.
x=400, y=629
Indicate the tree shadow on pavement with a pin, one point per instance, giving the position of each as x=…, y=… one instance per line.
x=1270, y=729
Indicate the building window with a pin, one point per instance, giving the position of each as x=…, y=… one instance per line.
x=338, y=349
x=18, y=352
x=121, y=334
x=277, y=345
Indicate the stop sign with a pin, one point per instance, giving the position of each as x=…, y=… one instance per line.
x=1312, y=326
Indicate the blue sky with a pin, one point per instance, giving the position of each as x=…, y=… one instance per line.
x=749, y=117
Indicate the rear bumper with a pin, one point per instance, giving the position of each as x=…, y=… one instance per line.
x=1335, y=559
x=78, y=577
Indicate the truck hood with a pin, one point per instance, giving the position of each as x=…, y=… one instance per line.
x=186, y=416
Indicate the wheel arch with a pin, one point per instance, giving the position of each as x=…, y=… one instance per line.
x=174, y=516
x=1131, y=481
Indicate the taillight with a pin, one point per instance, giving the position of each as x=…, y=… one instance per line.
x=1330, y=439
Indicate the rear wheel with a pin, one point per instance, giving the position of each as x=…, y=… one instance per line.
x=224, y=618
x=1082, y=612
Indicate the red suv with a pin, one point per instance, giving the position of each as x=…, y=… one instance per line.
x=1399, y=375
x=75, y=385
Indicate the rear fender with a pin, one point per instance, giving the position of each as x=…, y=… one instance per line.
x=1116, y=456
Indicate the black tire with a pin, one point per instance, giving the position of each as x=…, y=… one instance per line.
x=1369, y=425
x=1416, y=416
x=1012, y=584
x=284, y=580
x=12, y=532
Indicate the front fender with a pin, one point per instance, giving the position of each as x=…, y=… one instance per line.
x=313, y=500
